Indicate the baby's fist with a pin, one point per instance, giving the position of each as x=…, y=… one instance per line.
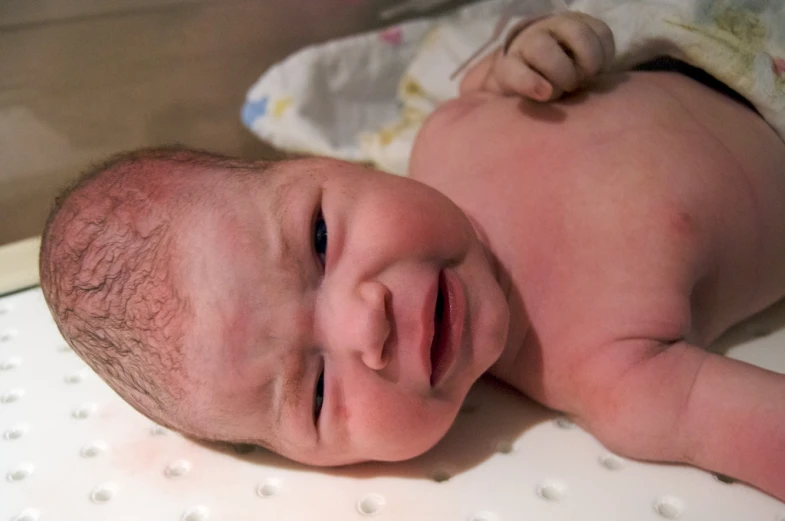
x=552, y=56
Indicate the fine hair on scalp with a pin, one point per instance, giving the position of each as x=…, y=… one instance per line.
x=108, y=267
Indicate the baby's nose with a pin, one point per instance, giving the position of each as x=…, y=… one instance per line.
x=370, y=325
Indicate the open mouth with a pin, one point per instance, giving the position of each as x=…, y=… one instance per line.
x=440, y=346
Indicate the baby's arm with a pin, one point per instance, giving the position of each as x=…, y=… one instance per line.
x=544, y=59
x=680, y=403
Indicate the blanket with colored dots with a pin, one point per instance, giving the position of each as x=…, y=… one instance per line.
x=363, y=98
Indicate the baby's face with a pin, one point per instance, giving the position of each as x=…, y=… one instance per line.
x=341, y=314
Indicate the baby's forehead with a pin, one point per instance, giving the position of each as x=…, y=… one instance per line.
x=242, y=234
x=259, y=212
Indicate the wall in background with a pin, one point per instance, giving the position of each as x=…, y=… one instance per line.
x=83, y=79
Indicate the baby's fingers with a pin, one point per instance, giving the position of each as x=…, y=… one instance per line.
x=605, y=36
x=585, y=40
x=514, y=76
x=539, y=51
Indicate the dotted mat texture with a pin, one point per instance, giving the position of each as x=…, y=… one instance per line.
x=71, y=450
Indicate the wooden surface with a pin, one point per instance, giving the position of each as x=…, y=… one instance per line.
x=83, y=79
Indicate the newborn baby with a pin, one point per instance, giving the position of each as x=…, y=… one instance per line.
x=580, y=250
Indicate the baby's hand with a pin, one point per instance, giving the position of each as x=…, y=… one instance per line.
x=547, y=58
x=555, y=55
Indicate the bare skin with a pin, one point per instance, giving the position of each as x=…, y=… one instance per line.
x=582, y=250
x=636, y=222
x=276, y=312
x=626, y=227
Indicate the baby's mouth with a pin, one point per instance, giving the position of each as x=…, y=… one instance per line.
x=441, y=327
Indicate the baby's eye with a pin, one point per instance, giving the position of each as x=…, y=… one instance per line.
x=320, y=238
x=318, y=397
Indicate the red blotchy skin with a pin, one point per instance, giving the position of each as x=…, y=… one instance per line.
x=272, y=316
x=601, y=241
x=637, y=222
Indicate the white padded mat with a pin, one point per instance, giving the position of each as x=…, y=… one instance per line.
x=71, y=450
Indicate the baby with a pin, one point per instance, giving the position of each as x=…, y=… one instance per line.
x=580, y=250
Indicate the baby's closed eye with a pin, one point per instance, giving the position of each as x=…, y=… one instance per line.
x=320, y=249
x=318, y=396
x=320, y=238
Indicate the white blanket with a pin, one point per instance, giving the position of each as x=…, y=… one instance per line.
x=363, y=98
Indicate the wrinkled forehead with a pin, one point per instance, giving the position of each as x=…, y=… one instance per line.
x=229, y=248
x=270, y=189
x=234, y=265
x=242, y=251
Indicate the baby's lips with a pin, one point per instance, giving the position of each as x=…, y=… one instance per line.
x=428, y=326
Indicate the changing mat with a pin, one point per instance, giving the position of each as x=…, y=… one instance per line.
x=72, y=450
x=364, y=98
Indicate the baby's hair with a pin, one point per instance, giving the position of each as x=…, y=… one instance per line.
x=108, y=270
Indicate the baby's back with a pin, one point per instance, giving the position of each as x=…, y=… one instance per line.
x=649, y=207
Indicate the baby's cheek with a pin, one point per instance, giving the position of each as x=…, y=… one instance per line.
x=342, y=414
x=418, y=216
x=400, y=429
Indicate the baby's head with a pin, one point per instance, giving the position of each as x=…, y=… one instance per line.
x=205, y=291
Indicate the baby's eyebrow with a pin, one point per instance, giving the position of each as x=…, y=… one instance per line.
x=280, y=206
x=292, y=385
x=286, y=238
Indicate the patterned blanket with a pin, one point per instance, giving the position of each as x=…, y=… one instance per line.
x=363, y=98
